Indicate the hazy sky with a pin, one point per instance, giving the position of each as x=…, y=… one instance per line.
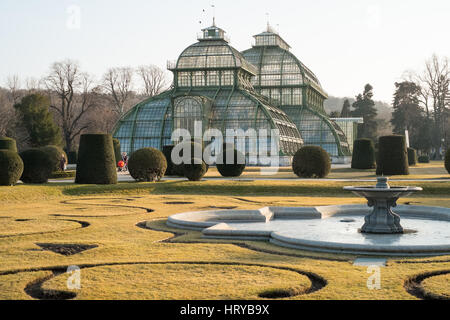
x=346, y=43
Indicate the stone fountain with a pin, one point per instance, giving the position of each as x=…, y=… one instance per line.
x=382, y=197
x=335, y=228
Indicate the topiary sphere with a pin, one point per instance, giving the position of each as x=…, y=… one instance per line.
x=8, y=144
x=96, y=160
x=233, y=168
x=412, y=157
x=196, y=150
x=363, y=154
x=55, y=154
x=392, y=156
x=147, y=164
x=447, y=161
x=11, y=167
x=311, y=162
x=195, y=170
x=37, y=166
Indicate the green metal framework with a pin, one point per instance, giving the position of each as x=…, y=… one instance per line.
x=212, y=83
x=294, y=88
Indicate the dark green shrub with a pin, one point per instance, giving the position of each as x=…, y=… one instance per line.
x=363, y=154
x=147, y=164
x=233, y=168
x=392, y=156
x=55, y=154
x=424, y=159
x=412, y=157
x=72, y=157
x=117, y=151
x=167, y=151
x=11, y=167
x=311, y=162
x=63, y=174
x=195, y=170
x=447, y=161
x=178, y=169
x=96, y=160
x=37, y=166
x=8, y=144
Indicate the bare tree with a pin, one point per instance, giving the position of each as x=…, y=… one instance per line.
x=154, y=80
x=72, y=94
x=13, y=84
x=118, y=83
x=435, y=83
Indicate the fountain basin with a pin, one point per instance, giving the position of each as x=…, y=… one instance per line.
x=326, y=229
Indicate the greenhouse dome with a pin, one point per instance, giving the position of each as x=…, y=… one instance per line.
x=291, y=86
x=212, y=84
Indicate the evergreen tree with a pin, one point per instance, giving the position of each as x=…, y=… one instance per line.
x=38, y=121
x=408, y=115
x=364, y=107
x=346, y=112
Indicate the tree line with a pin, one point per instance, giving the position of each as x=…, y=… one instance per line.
x=67, y=102
x=421, y=106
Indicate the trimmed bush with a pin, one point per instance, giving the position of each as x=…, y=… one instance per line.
x=117, y=151
x=194, y=171
x=311, y=162
x=412, y=157
x=167, y=151
x=63, y=174
x=424, y=159
x=55, y=154
x=96, y=160
x=147, y=164
x=363, y=154
x=178, y=169
x=8, y=144
x=37, y=166
x=447, y=161
x=11, y=167
x=233, y=168
x=72, y=157
x=392, y=156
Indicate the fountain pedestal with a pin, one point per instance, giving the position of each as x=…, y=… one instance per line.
x=382, y=220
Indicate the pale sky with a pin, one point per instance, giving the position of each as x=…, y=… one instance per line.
x=346, y=43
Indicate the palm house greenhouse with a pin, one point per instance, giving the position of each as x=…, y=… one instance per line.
x=265, y=87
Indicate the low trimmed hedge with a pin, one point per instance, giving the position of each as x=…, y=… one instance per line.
x=11, y=167
x=423, y=159
x=8, y=144
x=96, y=160
x=147, y=164
x=311, y=162
x=363, y=154
x=392, y=156
x=37, y=166
x=412, y=157
x=63, y=174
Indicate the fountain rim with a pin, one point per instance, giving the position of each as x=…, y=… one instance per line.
x=374, y=188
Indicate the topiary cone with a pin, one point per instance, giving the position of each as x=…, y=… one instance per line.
x=96, y=162
x=392, y=156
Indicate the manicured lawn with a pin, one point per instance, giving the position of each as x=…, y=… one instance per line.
x=131, y=262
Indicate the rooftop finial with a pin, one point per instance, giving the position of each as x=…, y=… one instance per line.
x=268, y=23
x=214, y=15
